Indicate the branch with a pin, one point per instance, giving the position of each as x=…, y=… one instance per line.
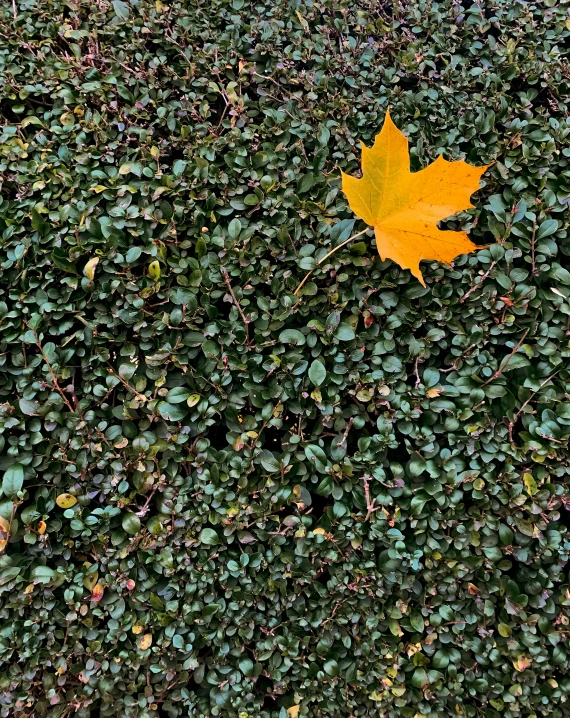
x=503, y=366
x=346, y=432
x=526, y=403
x=56, y=385
x=354, y=236
x=246, y=321
x=479, y=283
x=140, y=397
x=370, y=503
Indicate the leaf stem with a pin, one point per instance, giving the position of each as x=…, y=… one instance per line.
x=354, y=236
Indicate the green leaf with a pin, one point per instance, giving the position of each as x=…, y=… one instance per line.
x=292, y=336
x=13, y=480
x=209, y=537
x=317, y=457
x=131, y=524
x=546, y=228
x=178, y=395
x=38, y=222
x=172, y=412
x=506, y=535
x=416, y=465
x=305, y=183
x=178, y=168
x=440, y=659
x=127, y=370
x=133, y=254
x=61, y=260
x=234, y=228
x=121, y=9
x=9, y=573
x=42, y=574
x=269, y=462
x=246, y=666
x=345, y=333
x=29, y=407
x=331, y=668
x=417, y=622
x=317, y=373
x=156, y=602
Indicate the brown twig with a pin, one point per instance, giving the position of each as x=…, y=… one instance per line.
x=246, y=321
x=453, y=366
x=346, y=432
x=479, y=283
x=124, y=383
x=526, y=403
x=354, y=236
x=56, y=385
x=532, y=243
x=418, y=380
x=370, y=503
x=503, y=366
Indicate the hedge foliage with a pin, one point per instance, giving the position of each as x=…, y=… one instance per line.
x=227, y=500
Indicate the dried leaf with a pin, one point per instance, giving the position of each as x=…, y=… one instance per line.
x=293, y=711
x=432, y=393
x=145, y=642
x=404, y=207
x=97, y=593
x=522, y=663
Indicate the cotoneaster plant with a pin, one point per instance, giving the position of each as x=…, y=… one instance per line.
x=228, y=491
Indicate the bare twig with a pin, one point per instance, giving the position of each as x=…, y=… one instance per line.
x=479, y=283
x=526, y=403
x=246, y=321
x=503, y=366
x=346, y=432
x=55, y=382
x=532, y=243
x=370, y=503
x=125, y=384
x=144, y=510
x=418, y=380
x=453, y=366
x=354, y=236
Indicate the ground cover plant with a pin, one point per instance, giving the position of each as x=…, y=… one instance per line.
x=221, y=498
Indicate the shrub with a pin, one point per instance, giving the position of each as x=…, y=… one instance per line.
x=227, y=500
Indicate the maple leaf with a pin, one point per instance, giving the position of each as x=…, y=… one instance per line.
x=404, y=207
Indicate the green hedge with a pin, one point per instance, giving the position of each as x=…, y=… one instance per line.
x=354, y=500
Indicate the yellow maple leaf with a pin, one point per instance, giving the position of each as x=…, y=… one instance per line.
x=404, y=207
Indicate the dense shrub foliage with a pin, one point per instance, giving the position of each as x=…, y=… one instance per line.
x=227, y=500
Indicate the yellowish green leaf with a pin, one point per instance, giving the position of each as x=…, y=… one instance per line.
x=66, y=501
